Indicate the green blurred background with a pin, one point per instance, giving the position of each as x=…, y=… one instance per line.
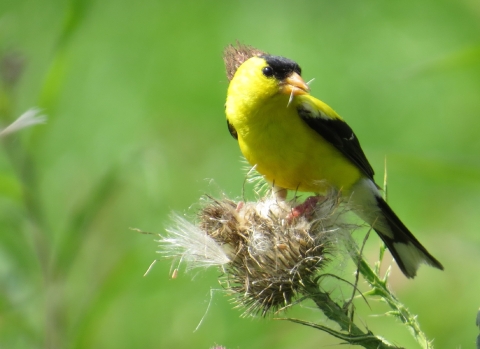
x=134, y=94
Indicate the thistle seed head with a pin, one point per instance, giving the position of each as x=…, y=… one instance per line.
x=267, y=250
x=271, y=252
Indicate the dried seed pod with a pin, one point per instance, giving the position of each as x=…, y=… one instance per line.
x=270, y=253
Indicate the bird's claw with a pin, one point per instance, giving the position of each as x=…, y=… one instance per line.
x=305, y=209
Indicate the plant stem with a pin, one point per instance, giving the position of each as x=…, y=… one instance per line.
x=379, y=288
x=353, y=335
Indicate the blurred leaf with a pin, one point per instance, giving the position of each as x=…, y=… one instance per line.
x=82, y=219
x=76, y=13
x=58, y=70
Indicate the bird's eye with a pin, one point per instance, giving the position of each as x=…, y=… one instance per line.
x=267, y=71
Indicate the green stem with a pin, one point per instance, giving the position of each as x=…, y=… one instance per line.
x=380, y=288
x=352, y=334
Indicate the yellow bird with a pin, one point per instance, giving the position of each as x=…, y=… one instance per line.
x=299, y=143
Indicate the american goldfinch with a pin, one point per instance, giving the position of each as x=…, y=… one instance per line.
x=299, y=143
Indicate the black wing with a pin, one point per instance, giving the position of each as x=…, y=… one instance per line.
x=232, y=130
x=337, y=132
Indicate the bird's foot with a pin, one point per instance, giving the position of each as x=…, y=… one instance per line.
x=240, y=205
x=305, y=209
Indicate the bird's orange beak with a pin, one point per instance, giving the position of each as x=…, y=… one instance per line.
x=294, y=85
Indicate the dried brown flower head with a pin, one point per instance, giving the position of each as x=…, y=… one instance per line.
x=234, y=56
x=271, y=251
x=268, y=249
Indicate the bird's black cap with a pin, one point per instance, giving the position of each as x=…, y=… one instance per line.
x=282, y=67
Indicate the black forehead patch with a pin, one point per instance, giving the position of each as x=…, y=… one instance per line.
x=282, y=67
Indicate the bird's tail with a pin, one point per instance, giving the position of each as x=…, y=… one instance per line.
x=405, y=248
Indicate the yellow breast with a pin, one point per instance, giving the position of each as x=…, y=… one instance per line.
x=287, y=152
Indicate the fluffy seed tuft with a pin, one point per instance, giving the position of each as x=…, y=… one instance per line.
x=234, y=56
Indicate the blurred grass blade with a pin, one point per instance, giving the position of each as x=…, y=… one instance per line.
x=107, y=291
x=76, y=13
x=55, y=76
x=81, y=221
